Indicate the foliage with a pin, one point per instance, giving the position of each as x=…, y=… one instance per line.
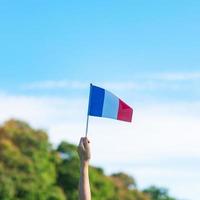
x=126, y=180
x=30, y=169
x=156, y=193
x=68, y=170
x=27, y=170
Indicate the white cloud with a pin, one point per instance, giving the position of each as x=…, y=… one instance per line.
x=140, y=85
x=168, y=80
x=157, y=131
x=177, y=76
x=52, y=84
x=43, y=112
x=64, y=84
x=160, y=129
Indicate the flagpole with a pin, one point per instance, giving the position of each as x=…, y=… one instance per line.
x=86, y=130
x=87, y=122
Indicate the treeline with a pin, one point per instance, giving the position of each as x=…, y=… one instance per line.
x=31, y=169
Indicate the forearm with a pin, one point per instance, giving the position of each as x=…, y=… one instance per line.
x=84, y=185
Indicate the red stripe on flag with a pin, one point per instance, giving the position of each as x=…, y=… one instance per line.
x=125, y=112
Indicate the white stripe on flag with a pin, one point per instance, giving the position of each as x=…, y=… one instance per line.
x=110, y=106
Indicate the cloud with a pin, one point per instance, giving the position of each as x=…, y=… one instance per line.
x=158, y=131
x=52, y=84
x=71, y=85
x=43, y=112
x=171, y=128
x=174, y=81
x=177, y=76
x=140, y=85
x=64, y=84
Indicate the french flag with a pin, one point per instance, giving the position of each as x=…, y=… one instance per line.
x=103, y=103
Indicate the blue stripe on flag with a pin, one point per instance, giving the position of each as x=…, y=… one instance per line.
x=110, y=106
x=96, y=101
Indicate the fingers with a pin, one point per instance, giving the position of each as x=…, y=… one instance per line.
x=86, y=142
x=81, y=143
x=87, y=139
x=84, y=149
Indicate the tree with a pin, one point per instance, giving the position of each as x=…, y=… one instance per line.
x=68, y=176
x=31, y=169
x=102, y=187
x=68, y=170
x=125, y=180
x=156, y=193
x=126, y=187
x=27, y=170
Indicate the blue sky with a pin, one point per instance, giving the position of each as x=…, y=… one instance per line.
x=88, y=40
x=147, y=52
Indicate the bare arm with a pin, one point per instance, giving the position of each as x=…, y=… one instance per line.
x=84, y=184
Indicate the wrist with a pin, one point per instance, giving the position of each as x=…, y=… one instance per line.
x=84, y=163
x=84, y=167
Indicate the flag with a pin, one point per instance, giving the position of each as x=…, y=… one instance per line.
x=103, y=103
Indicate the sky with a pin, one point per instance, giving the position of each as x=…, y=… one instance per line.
x=146, y=52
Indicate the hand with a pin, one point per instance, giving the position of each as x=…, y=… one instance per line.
x=84, y=149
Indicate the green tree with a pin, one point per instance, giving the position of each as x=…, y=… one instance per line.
x=115, y=187
x=156, y=193
x=27, y=170
x=126, y=187
x=126, y=180
x=68, y=170
x=30, y=169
